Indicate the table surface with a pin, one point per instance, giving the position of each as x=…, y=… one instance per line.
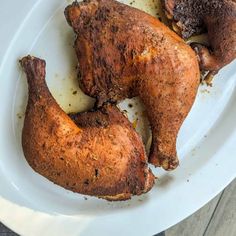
x=217, y=218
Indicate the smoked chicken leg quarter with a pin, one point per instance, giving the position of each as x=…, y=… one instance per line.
x=217, y=18
x=96, y=153
x=124, y=52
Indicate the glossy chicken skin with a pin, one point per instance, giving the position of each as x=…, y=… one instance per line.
x=124, y=52
x=218, y=18
x=99, y=154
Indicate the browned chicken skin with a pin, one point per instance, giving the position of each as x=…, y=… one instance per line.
x=99, y=155
x=124, y=52
x=218, y=18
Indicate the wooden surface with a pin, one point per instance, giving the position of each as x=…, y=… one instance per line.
x=217, y=218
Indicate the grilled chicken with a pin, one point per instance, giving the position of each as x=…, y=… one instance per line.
x=217, y=18
x=124, y=52
x=97, y=153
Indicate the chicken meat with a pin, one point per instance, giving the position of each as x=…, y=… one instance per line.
x=97, y=153
x=124, y=52
x=217, y=18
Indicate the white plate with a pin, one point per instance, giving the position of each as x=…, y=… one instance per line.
x=31, y=205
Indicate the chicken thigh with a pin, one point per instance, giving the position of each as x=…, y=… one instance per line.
x=124, y=52
x=98, y=154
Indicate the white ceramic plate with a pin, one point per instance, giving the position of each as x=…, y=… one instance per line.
x=31, y=205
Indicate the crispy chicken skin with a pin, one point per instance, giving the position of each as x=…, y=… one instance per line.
x=124, y=52
x=98, y=154
x=218, y=18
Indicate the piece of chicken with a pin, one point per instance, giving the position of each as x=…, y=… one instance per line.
x=124, y=52
x=218, y=18
x=101, y=156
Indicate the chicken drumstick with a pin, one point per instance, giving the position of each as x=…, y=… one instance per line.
x=101, y=156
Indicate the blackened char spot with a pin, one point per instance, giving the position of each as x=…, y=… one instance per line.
x=114, y=29
x=96, y=172
x=86, y=182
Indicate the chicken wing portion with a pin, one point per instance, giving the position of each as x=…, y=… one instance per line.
x=124, y=52
x=98, y=154
x=217, y=18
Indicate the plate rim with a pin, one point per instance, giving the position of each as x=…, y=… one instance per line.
x=6, y=219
